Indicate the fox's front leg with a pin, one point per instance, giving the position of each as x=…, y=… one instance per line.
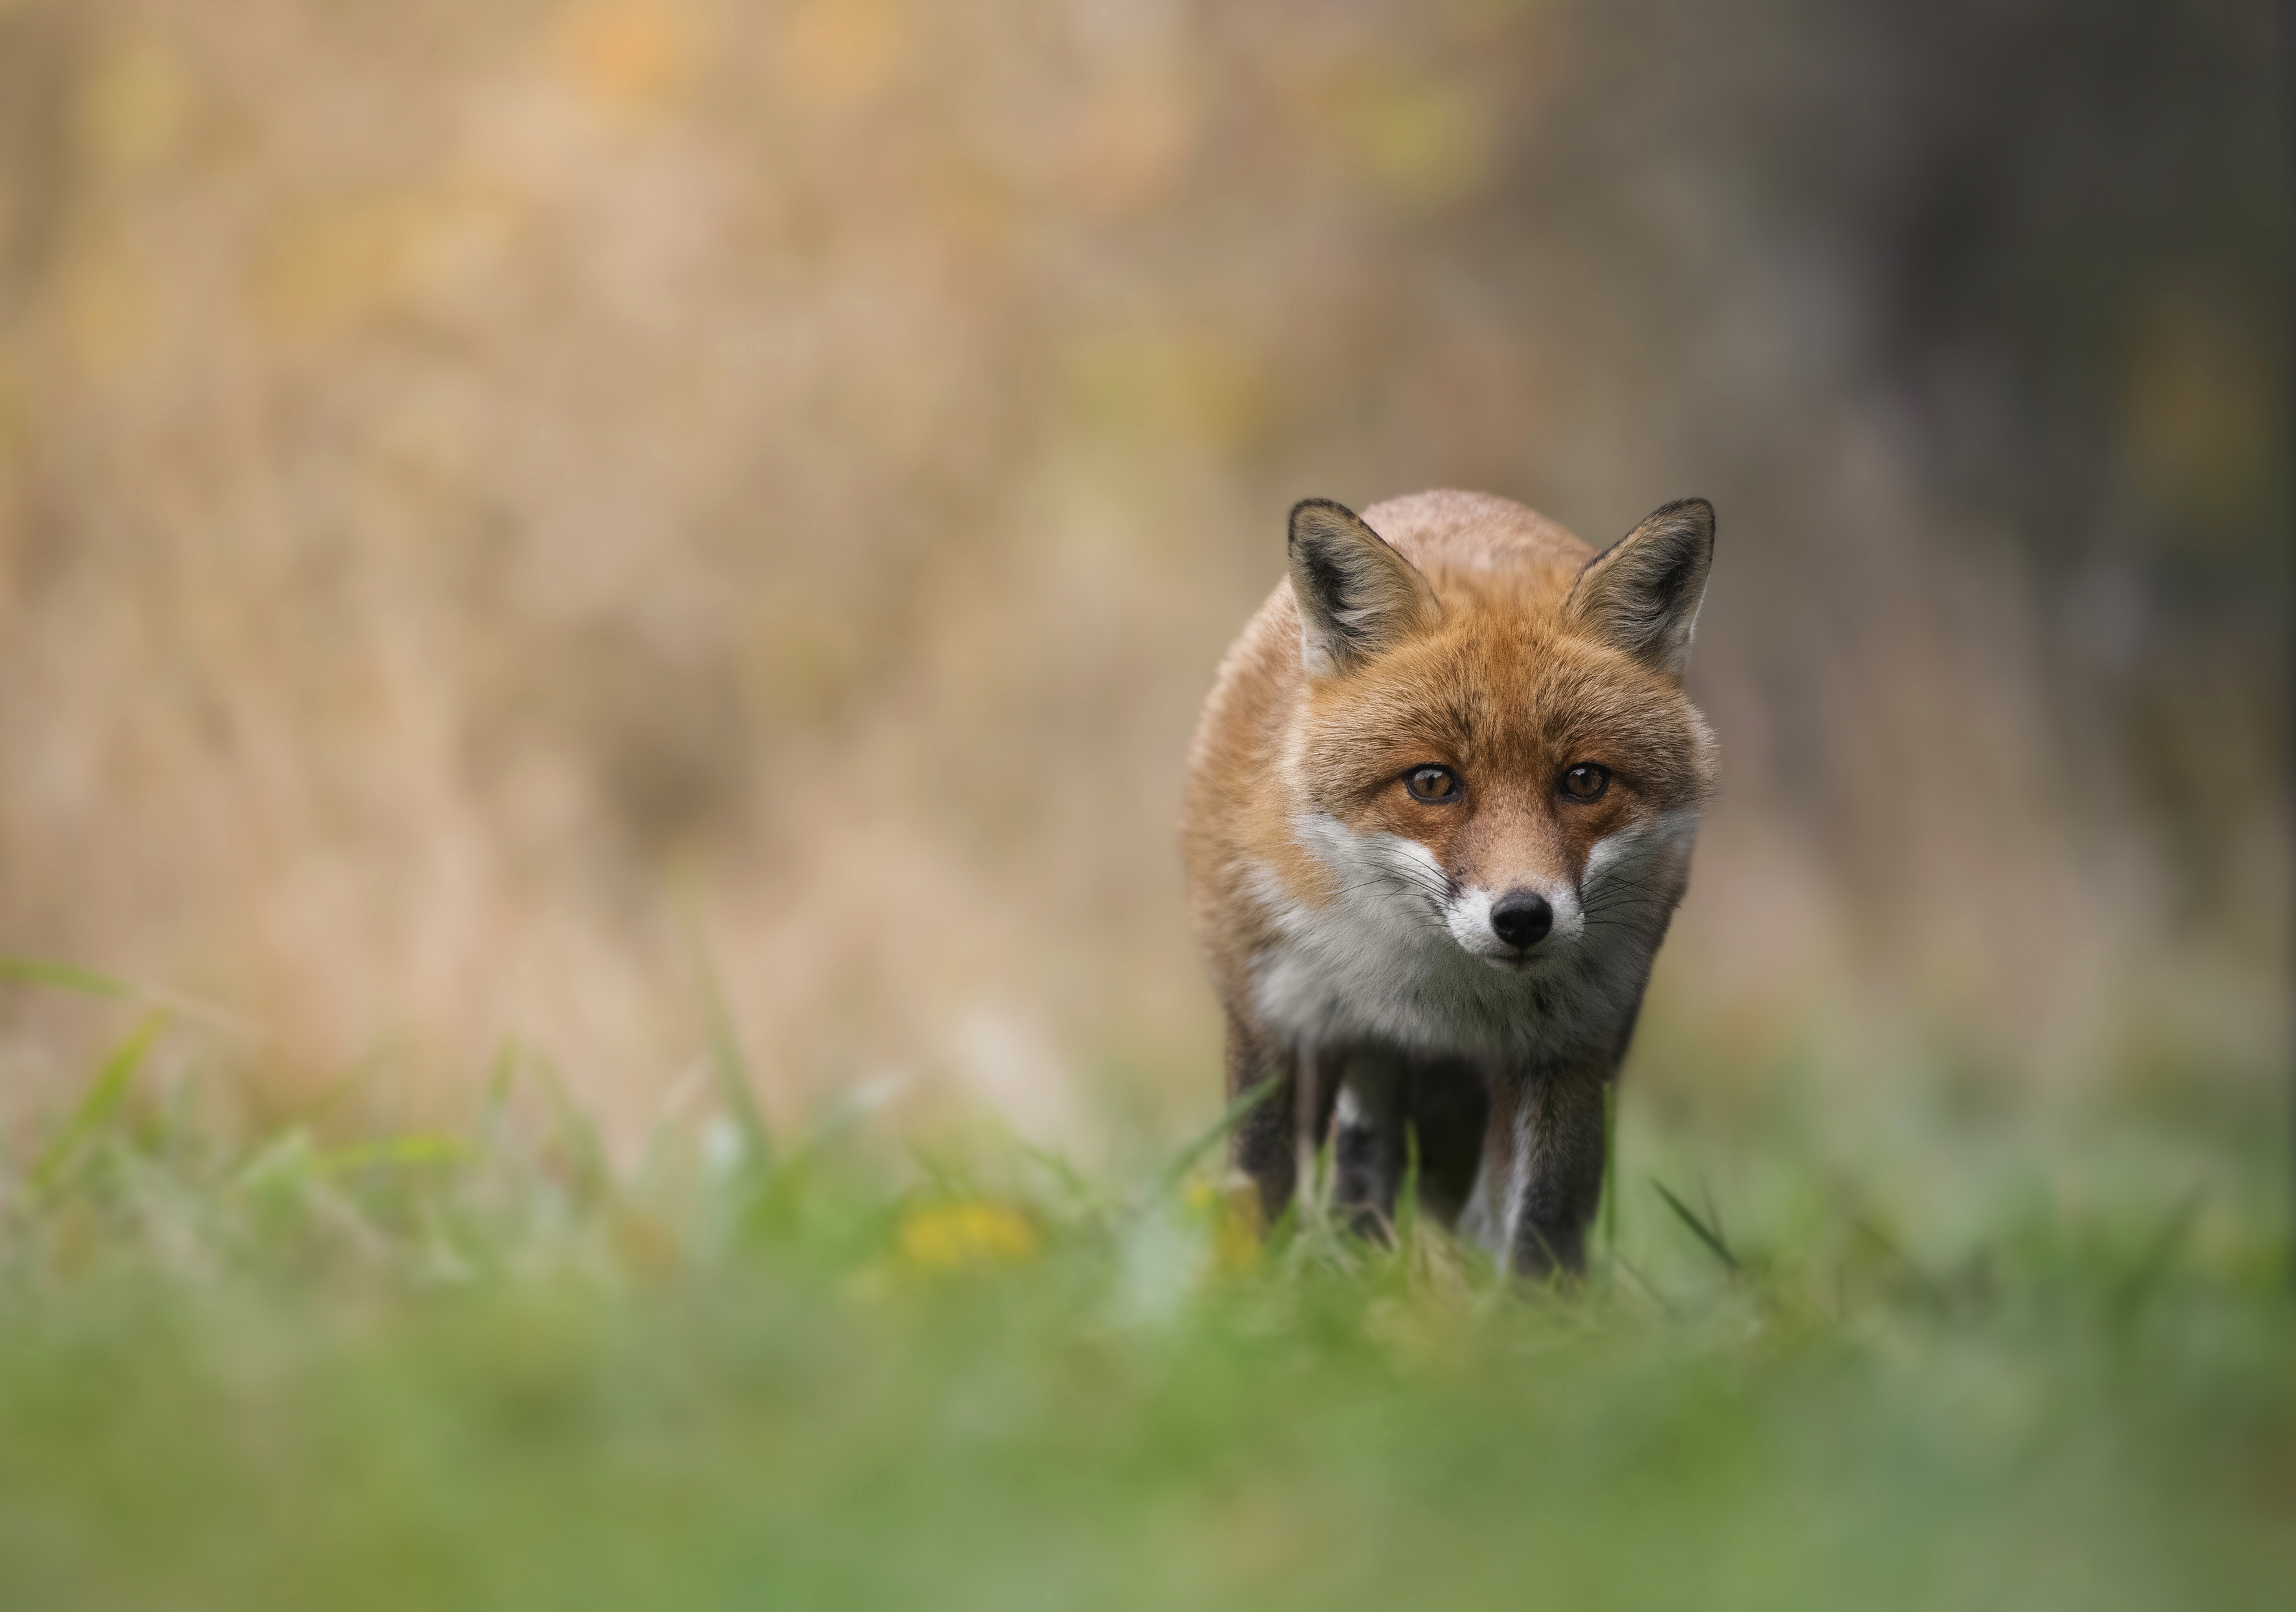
x=1263, y=1143
x=1367, y=1145
x=1275, y=1141
x=1542, y=1174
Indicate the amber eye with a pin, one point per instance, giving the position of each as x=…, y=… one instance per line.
x=1586, y=781
x=1435, y=784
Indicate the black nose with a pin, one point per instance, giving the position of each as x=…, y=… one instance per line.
x=1522, y=917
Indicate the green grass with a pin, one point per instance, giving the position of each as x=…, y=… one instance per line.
x=306, y=1367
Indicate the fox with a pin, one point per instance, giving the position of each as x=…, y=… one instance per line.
x=1437, y=815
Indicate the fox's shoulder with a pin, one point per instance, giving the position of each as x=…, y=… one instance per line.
x=1470, y=534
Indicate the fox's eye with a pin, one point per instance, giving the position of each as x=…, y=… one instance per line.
x=1432, y=783
x=1586, y=781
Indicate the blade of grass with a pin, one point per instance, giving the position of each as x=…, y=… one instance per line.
x=726, y=1054
x=1406, y=1194
x=1306, y=1097
x=773, y=1201
x=502, y=1075
x=1609, y=1213
x=1709, y=1236
x=1713, y=1209
x=857, y=1105
x=111, y=988
x=1071, y=1182
x=2137, y=1290
x=96, y=1106
x=1329, y=1239
x=285, y=1159
x=1867, y=1225
x=63, y=976
x=331, y=1095
x=415, y=1149
x=593, y=1175
x=1169, y=1178
x=1555, y=1269
x=1664, y=1304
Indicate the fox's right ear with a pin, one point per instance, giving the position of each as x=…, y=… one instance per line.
x=1642, y=594
x=1357, y=594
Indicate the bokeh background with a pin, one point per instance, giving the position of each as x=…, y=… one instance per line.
x=504, y=506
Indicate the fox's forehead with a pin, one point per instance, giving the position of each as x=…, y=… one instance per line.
x=1503, y=693
x=1519, y=688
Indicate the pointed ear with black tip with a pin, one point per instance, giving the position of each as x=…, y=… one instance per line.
x=1357, y=596
x=1641, y=595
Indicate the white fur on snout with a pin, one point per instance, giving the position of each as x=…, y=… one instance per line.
x=1469, y=919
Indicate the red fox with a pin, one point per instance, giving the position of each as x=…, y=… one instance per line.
x=1439, y=814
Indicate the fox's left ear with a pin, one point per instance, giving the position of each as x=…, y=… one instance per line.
x=1642, y=594
x=1357, y=596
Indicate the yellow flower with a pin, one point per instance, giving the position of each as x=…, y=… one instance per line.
x=1233, y=1207
x=951, y=1237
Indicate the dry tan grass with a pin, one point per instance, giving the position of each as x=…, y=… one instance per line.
x=479, y=483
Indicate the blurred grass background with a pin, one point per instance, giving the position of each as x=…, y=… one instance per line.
x=600, y=605
x=244, y=1368
x=479, y=485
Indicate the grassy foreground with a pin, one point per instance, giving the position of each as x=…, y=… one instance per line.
x=488, y=1369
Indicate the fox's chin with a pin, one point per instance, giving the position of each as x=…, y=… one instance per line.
x=1521, y=962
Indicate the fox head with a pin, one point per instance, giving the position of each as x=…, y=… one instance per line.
x=1495, y=763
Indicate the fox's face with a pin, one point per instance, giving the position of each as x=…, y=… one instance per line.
x=1508, y=781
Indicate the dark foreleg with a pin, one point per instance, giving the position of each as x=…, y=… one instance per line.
x=1446, y=1106
x=1261, y=1145
x=1542, y=1174
x=1368, y=1146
